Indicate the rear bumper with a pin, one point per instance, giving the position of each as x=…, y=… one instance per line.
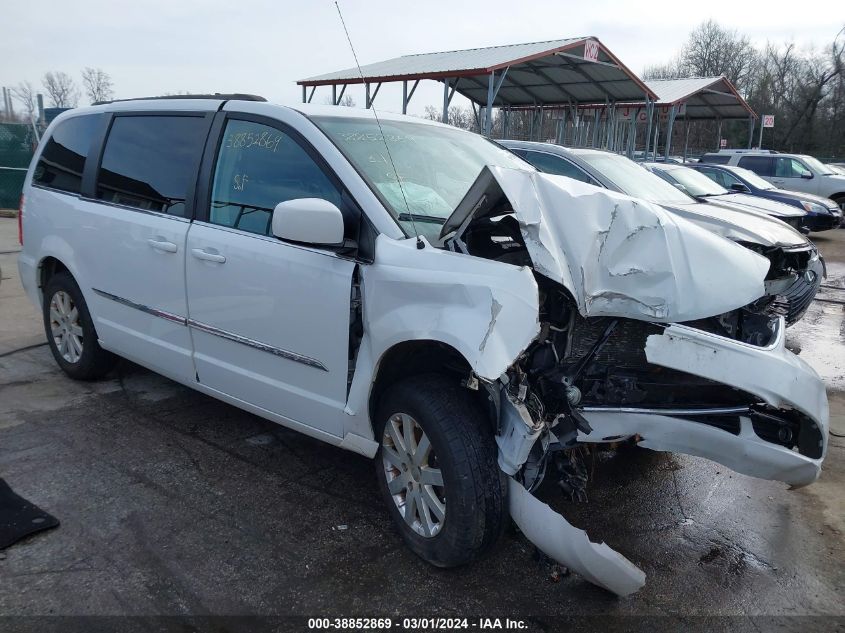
x=28, y=271
x=773, y=374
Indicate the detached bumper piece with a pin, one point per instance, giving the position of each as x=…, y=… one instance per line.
x=784, y=437
x=569, y=546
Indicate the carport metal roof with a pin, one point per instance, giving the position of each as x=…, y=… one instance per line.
x=572, y=71
x=701, y=98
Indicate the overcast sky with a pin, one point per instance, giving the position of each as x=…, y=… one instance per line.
x=152, y=47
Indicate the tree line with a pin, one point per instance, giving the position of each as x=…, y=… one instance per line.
x=803, y=88
x=62, y=91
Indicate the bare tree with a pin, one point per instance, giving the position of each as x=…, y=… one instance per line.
x=670, y=70
x=98, y=84
x=714, y=50
x=346, y=100
x=24, y=93
x=61, y=89
x=458, y=116
x=711, y=50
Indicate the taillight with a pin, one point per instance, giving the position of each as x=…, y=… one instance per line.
x=20, y=222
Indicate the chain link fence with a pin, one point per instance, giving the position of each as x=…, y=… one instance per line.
x=17, y=145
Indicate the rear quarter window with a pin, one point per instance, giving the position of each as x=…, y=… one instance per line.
x=62, y=161
x=760, y=165
x=150, y=161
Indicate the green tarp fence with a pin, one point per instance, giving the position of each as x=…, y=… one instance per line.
x=17, y=144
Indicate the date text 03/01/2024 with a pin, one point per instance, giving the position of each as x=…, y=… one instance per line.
x=410, y=624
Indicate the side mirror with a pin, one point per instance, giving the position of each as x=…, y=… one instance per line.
x=806, y=175
x=739, y=188
x=308, y=220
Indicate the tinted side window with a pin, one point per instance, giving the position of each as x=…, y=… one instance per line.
x=150, y=161
x=760, y=165
x=63, y=159
x=258, y=167
x=551, y=164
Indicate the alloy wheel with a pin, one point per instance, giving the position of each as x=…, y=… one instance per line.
x=413, y=477
x=65, y=326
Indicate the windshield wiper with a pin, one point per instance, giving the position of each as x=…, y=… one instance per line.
x=418, y=217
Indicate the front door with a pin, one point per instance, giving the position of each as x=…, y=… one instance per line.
x=269, y=319
x=793, y=175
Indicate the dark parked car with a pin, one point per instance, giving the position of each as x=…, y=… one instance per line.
x=822, y=213
x=706, y=190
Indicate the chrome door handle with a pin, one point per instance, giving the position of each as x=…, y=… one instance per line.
x=163, y=245
x=209, y=257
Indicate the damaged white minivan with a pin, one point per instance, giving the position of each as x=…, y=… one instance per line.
x=416, y=294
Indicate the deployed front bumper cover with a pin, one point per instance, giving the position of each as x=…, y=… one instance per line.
x=774, y=374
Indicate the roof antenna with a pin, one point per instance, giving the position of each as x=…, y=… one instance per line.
x=420, y=243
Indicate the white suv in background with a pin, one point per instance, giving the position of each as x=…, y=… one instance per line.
x=793, y=172
x=441, y=307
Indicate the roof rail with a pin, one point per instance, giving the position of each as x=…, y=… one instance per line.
x=217, y=95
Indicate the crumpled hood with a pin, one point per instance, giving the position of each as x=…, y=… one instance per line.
x=756, y=204
x=740, y=225
x=618, y=256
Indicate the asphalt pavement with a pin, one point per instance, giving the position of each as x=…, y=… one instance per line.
x=172, y=503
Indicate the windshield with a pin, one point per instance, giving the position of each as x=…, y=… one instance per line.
x=752, y=178
x=436, y=165
x=696, y=183
x=634, y=180
x=817, y=166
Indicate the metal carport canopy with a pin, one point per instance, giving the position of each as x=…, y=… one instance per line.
x=701, y=97
x=575, y=70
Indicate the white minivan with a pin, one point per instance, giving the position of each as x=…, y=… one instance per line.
x=416, y=294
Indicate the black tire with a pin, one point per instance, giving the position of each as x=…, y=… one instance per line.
x=94, y=362
x=474, y=488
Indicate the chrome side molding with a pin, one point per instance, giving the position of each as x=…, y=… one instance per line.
x=276, y=351
x=205, y=327
x=162, y=314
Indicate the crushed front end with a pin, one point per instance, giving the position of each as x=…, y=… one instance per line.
x=651, y=329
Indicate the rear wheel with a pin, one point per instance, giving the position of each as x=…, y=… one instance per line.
x=437, y=470
x=70, y=330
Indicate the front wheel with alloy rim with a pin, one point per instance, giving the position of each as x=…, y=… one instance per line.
x=437, y=470
x=70, y=330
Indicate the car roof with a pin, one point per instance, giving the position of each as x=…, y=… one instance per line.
x=552, y=147
x=205, y=103
x=663, y=166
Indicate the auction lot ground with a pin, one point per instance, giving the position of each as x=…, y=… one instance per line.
x=174, y=503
